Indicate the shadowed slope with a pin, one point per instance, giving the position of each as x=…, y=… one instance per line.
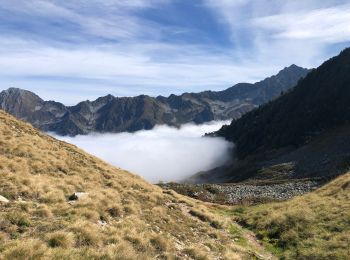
x=306, y=128
x=318, y=103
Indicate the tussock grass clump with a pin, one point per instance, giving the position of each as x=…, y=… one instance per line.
x=18, y=218
x=43, y=212
x=206, y=218
x=26, y=249
x=122, y=251
x=159, y=243
x=86, y=235
x=60, y=239
x=139, y=243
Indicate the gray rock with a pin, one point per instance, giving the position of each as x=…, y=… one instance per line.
x=78, y=195
x=3, y=199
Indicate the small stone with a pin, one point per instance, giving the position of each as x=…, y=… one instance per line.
x=156, y=228
x=207, y=248
x=3, y=199
x=102, y=223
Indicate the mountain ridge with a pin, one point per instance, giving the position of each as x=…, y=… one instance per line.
x=119, y=114
x=316, y=104
x=306, y=128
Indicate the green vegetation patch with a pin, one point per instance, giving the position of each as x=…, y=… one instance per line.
x=313, y=226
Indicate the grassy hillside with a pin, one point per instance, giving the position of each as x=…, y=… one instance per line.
x=313, y=226
x=120, y=217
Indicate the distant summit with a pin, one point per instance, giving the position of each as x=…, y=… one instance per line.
x=114, y=114
x=319, y=102
x=302, y=134
x=18, y=101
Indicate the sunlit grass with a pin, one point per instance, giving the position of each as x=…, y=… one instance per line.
x=313, y=226
x=122, y=217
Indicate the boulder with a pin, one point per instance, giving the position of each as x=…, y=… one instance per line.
x=78, y=195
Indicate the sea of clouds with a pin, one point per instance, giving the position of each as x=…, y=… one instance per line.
x=161, y=154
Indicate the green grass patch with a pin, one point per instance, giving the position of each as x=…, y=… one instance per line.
x=237, y=235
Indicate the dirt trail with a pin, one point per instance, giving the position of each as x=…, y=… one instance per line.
x=253, y=241
x=256, y=248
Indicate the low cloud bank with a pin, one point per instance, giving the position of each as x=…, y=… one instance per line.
x=161, y=154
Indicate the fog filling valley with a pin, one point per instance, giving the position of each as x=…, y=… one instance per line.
x=161, y=154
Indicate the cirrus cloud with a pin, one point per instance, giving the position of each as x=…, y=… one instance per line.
x=74, y=50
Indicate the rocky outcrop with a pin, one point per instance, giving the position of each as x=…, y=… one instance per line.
x=119, y=114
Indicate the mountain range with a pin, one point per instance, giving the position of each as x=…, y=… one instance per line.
x=119, y=114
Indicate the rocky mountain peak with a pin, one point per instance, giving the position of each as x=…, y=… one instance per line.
x=18, y=94
x=19, y=102
x=292, y=69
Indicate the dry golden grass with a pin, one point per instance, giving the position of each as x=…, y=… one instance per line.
x=313, y=226
x=122, y=217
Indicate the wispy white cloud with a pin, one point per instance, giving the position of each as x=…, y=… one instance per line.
x=283, y=32
x=119, y=47
x=325, y=25
x=134, y=66
x=110, y=19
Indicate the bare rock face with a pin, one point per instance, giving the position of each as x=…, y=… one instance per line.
x=129, y=114
x=3, y=199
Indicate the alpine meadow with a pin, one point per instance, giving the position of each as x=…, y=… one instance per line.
x=173, y=129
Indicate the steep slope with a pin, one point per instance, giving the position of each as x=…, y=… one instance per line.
x=303, y=133
x=313, y=226
x=113, y=114
x=318, y=103
x=57, y=202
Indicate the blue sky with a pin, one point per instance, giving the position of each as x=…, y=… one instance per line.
x=75, y=50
